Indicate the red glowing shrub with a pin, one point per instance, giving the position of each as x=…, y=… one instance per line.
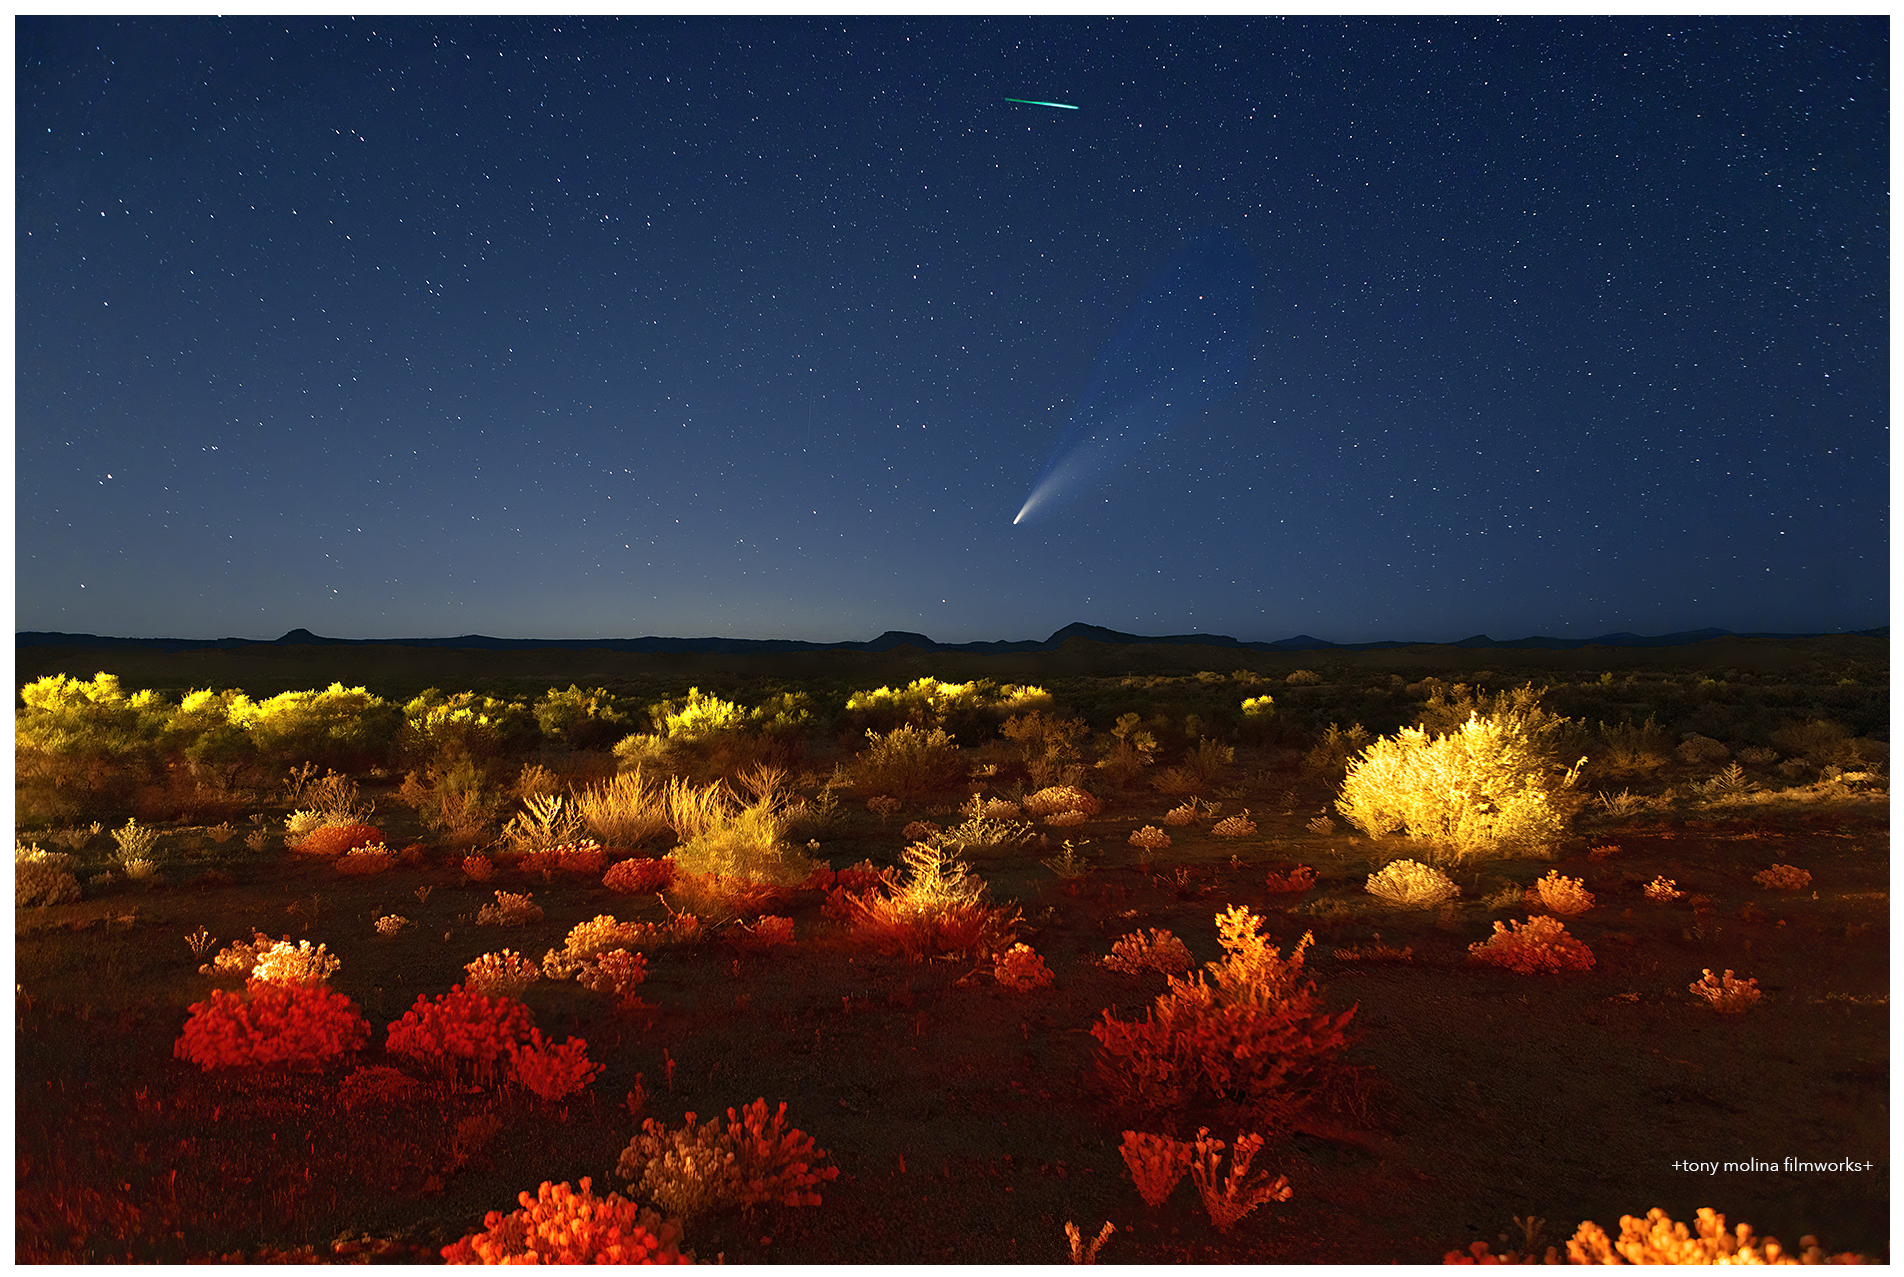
x=270, y=1023
x=774, y=1163
x=479, y=868
x=1249, y=1030
x=561, y=1226
x=335, y=840
x=372, y=858
x=552, y=1071
x=861, y=877
x=1021, y=970
x=639, y=876
x=1539, y=944
x=1301, y=878
x=460, y=1027
x=767, y=933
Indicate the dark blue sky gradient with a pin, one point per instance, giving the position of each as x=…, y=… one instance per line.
x=763, y=328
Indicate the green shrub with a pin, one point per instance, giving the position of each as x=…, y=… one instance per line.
x=344, y=728
x=909, y=763
x=591, y=719
x=1492, y=787
x=439, y=728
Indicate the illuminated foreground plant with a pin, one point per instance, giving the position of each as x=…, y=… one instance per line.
x=1725, y=994
x=939, y=908
x=561, y=1226
x=1539, y=944
x=1159, y=951
x=1021, y=970
x=1656, y=1239
x=1236, y=1194
x=1491, y=787
x=460, y=1027
x=754, y=1159
x=551, y=1071
x=1156, y=1163
x=270, y=1023
x=1250, y=1029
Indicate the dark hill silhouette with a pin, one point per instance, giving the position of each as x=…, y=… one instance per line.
x=1076, y=632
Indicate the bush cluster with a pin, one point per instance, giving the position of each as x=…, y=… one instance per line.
x=752, y=1159
x=561, y=1226
x=270, y=1023
x=460, y=1029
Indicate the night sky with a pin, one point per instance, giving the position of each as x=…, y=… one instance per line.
x=764, y=328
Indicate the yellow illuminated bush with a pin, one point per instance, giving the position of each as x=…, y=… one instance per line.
x=909, y=763
x=1412, y=885
x=1492, y=787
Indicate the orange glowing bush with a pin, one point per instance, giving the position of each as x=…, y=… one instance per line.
x=270, y=1023
x=460, y=1028
x=1021, y=970
x=639, y=876
x=1783, y=878
x=561, y=1226
x=1565, y=896
x=1539, y=944
x=1159, y=951
x=372, y=858
x=755, y=1159
x=479, y=868
x=1301, y=878
x=768, y=932
x=1057, y=799
x=1656, y=1239
x=618, y=973
x=335, y=840
x=1156, y=1163
x=1250, y=1029
x=551, y=1071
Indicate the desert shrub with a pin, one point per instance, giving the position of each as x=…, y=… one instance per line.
x=1247, y=1028
x=451, y=796
x=1783, y=878
x=560, y=1226
x=552, y=1072
x=1490, y=788
x=547, y=820
x=1054, y=800
x=1132, y=748
x=1564, y=896
x=973, y=708
x=765, y=933
x=618, y=973
x=1047, y=746
x=587, y=940
x=82, y=748
x=753, y=1159
x=1301, y=878
x=592, y=719
x=1330, y=755
x=911, y=763
x=625, y=810
x=1631, y=746
x=1656, y=1239
x=512, y=909
x=460, y=1030
x=1159, y=951
x=270, y=1023
x=1702, y=749
x=1239, y=826
x=639, y=876
x=1157, y=1164
x=287, y=963
x=335, y=840
x=1235, y=1195
x=373, y=858
x=1021, y=970
x=1725, y=994
x=1663, y=888
x=747, y=845
x=938, y=907
x=504, y=974
x=979, y=835
x=43, y=877
x=1203, y=765
x=441, y=728
x=345, y=728
x=1149, y=839
x=1539, y=944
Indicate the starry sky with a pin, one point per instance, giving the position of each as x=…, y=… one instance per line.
x=763, y=328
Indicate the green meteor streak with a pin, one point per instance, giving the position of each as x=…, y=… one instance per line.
x=1062, y=106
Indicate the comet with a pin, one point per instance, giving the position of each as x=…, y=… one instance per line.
x=1062, y=106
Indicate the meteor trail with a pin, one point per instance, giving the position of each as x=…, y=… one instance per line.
x=1062, y=106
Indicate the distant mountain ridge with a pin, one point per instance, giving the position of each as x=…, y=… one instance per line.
x=902, y=638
